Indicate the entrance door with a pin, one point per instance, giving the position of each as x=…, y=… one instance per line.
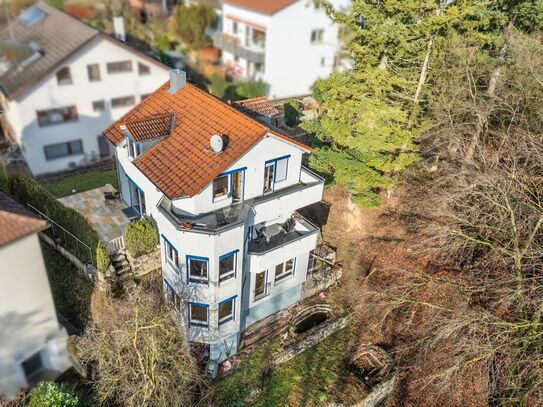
x=237, y=186
x=268, y=177
x=137, y=199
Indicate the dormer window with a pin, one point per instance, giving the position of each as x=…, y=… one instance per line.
x=221, y=186
x=134, y=149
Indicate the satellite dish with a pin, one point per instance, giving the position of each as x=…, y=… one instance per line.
x=217, y=143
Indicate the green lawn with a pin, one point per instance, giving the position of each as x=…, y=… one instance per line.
x=307, y=380
x=71, y=290
x=82, y=182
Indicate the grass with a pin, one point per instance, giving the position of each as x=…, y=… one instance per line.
x=71, y=290
x=82, y=182
x=307, y=380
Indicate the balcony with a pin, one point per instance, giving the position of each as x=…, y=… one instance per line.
x=264, y=207
x=280, y=235
x=253, y=53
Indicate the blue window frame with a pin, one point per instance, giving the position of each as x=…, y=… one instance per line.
x=171, y=254
x=229, y=184
x=198, y=314
x=227, y=310
x=228, y=266
x=284, y=270
x=197, y=269
x=171, y=296
x=275, y=170
x=137, y=197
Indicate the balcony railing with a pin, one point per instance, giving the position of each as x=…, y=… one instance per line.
x=232, y=44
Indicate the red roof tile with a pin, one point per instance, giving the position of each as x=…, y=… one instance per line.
x=183, y=163
x=152, y=127
x=261, y=106
x=16, y=221
x=262, y=6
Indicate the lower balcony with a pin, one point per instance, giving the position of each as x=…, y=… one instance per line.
x=232, y=45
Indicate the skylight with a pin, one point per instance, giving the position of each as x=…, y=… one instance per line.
x=31, y=16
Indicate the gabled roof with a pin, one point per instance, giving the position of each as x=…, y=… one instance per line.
x=15, y=221
x=262, y=6
x=183, y=163
x=54, y=38
x=152, y=127
x=260, y=106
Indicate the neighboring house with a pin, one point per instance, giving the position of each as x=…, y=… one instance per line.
x=224, y=190
x=261, y=109
x=288, y=44
x=33, y=344
x=62, y=82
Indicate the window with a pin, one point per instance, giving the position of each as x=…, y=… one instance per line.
x=171, y=253
x=143, y=69
x=123, y=101
x=32, y=365
x=197, y=268
x=171, y=297
x=275, y=171
x=235, y=27
x=99, y=105
x=284, y=270
x=64, y=76
x=198, y=314
x=323, y=61
x=262, y=287
x=119, y=67
x=93, y=70
x=259, y=38
x=60, y=150
x=281, y=166
x=134, y=149
x=317, y=36
x=57, y=116
x=226, y=310
x=227, y=266
x=220, y=186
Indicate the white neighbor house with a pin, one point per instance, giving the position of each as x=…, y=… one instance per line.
x=224, y=190
x=33, y=344
x=62, y=82
x=288, y=44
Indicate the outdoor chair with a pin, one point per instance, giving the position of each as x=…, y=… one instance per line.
x=111, y=198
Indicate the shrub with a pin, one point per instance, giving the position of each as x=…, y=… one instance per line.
x=50, y=394
x=141, y=237
x=218, y=85
x=250, y=89
x=291, y=112
x=28, y=191
x=102, y=258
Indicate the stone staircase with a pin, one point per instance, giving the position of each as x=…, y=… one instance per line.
x=120, y=264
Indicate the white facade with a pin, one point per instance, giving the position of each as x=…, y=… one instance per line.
x=289, y=50
x=33, y=343
x=254, y=287
x=44, y=146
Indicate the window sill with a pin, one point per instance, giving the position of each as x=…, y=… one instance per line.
x=197, y=325
x=227, y=281
x=199, y=282
x=283, y=278
x=221, y=198
x=225, y=322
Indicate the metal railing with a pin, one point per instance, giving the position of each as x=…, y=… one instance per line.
x=115, y=245
x=60, y=231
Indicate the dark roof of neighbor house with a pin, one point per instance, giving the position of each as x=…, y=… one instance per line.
x=49, y=41
x=260, y=106
x=15, y=221
x=30, y=52
x=262, y=6
x=183, y=163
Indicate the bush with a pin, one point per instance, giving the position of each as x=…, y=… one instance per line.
x=250, y=89
x=291, y=107
x=141, y=237
x=50, y=394
x=218, y=85
x=28, y=191
x=102, y=258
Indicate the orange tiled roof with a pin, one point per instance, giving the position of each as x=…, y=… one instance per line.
x=183, y=164
x=151, y=127
x=262, y=6
x=16, y=221
x=261, y=106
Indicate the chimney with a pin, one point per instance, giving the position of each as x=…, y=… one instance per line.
x=178, y=79
x=118, y=28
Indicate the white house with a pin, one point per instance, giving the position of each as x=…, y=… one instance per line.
x=62, y=82
x=33, y=342
x=288, y=44
x=224, y=190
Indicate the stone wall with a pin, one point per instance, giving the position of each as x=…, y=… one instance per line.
x=320, y=280
x=145, y=263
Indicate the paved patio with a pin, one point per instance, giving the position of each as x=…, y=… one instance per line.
x=108, y=220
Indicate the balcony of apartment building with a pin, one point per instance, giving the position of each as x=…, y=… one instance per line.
x=260, y=209
x=250, y=46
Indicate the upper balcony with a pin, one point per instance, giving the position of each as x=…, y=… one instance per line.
x=257, y=210
x=252, y=51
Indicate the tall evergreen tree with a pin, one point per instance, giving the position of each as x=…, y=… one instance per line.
x=373, y=114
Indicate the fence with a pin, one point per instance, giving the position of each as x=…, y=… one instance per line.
x=59, y=231
x=115, y=245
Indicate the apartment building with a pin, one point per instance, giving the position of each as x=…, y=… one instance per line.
x=288, y=44
x=34, y=345
x=223, y=189
x=62, y=82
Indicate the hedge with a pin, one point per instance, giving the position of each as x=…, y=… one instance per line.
x=28, y=191
x=50, y=394
x=141, y=237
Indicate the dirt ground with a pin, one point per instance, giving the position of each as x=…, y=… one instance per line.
x=379, y=254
